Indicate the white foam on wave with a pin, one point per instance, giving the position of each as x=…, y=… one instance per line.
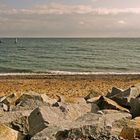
x=70, y=73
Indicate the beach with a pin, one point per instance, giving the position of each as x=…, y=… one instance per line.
x=69, y=85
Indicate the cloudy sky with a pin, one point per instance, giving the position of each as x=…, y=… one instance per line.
x=70, y=18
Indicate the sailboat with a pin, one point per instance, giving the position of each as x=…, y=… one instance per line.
x=16, y=40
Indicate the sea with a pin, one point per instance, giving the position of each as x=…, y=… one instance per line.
x=69, y=55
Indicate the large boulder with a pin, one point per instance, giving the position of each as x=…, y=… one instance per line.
x=33, y=100
x=132, y=130
x=7, y=133
x=106, y=103
x=123, y=98
x=89, y=126
x=42, y=117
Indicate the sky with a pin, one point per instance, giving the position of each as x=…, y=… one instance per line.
x=69, y=18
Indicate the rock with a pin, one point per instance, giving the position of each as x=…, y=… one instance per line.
x=114, y=91
x=7, y=102
x=88, y=126
x=73, y=111
x=132, y=130
x=21, y=125
x=8, y=117
x=116, y=119
x=93, y=100
x=47, y=99
x=106, y=103
x=135, y=107
x=7, y=133
x=123, y=98
x=42, y=117
x=94, y=108
x=92, y=94
x=29, y=101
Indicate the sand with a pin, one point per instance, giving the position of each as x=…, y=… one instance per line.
x=67, y=85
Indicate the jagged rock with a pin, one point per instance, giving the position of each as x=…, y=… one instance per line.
x=76, y=109
x=46, y=115
x=116, y=119
x=21, y=125
x=41, y=117
x=7, y=102
x=89, y=126
x=29, y=101
x=10, y=99
x=106, y=103
x=135, y=107
x=47, y=99
x=7, y=133
x=132, y=130
x=114, y=91
x=94, y=108
x=73, y=111
x=92, y=94
x=93, y=100
x=8, y=117
x=123, y=98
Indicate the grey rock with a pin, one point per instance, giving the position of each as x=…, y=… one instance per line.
x=123, y=98
x=42, y=117
x=135, y=107
x=115, y=91
x=106, y=103
x=88, y=126
x=20, y=125
x=28, y=101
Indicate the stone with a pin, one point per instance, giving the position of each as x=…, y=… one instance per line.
x=42, y=117
x=7, y=133
x=93, y=100
x=132, y=130
x=116, y=120
x=29, y=101
x=10, y=99
x=92, y=94
x=89, y=126
x=47, y=99
x=8, y=117
x=74, y=111
x=21, y=125
x=106, y=103
x=114, y=91
x=123, y=98
x=135, y=107
x=94, y=108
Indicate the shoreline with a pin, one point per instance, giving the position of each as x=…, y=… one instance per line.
x=71, y=75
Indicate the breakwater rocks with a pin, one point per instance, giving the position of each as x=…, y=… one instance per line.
x=33, y=116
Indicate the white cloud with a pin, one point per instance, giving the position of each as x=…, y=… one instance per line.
x=121, y=22
x=60, y=9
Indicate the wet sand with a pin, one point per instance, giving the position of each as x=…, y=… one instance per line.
x=69, y=85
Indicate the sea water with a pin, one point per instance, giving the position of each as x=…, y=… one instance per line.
x=70, y=54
